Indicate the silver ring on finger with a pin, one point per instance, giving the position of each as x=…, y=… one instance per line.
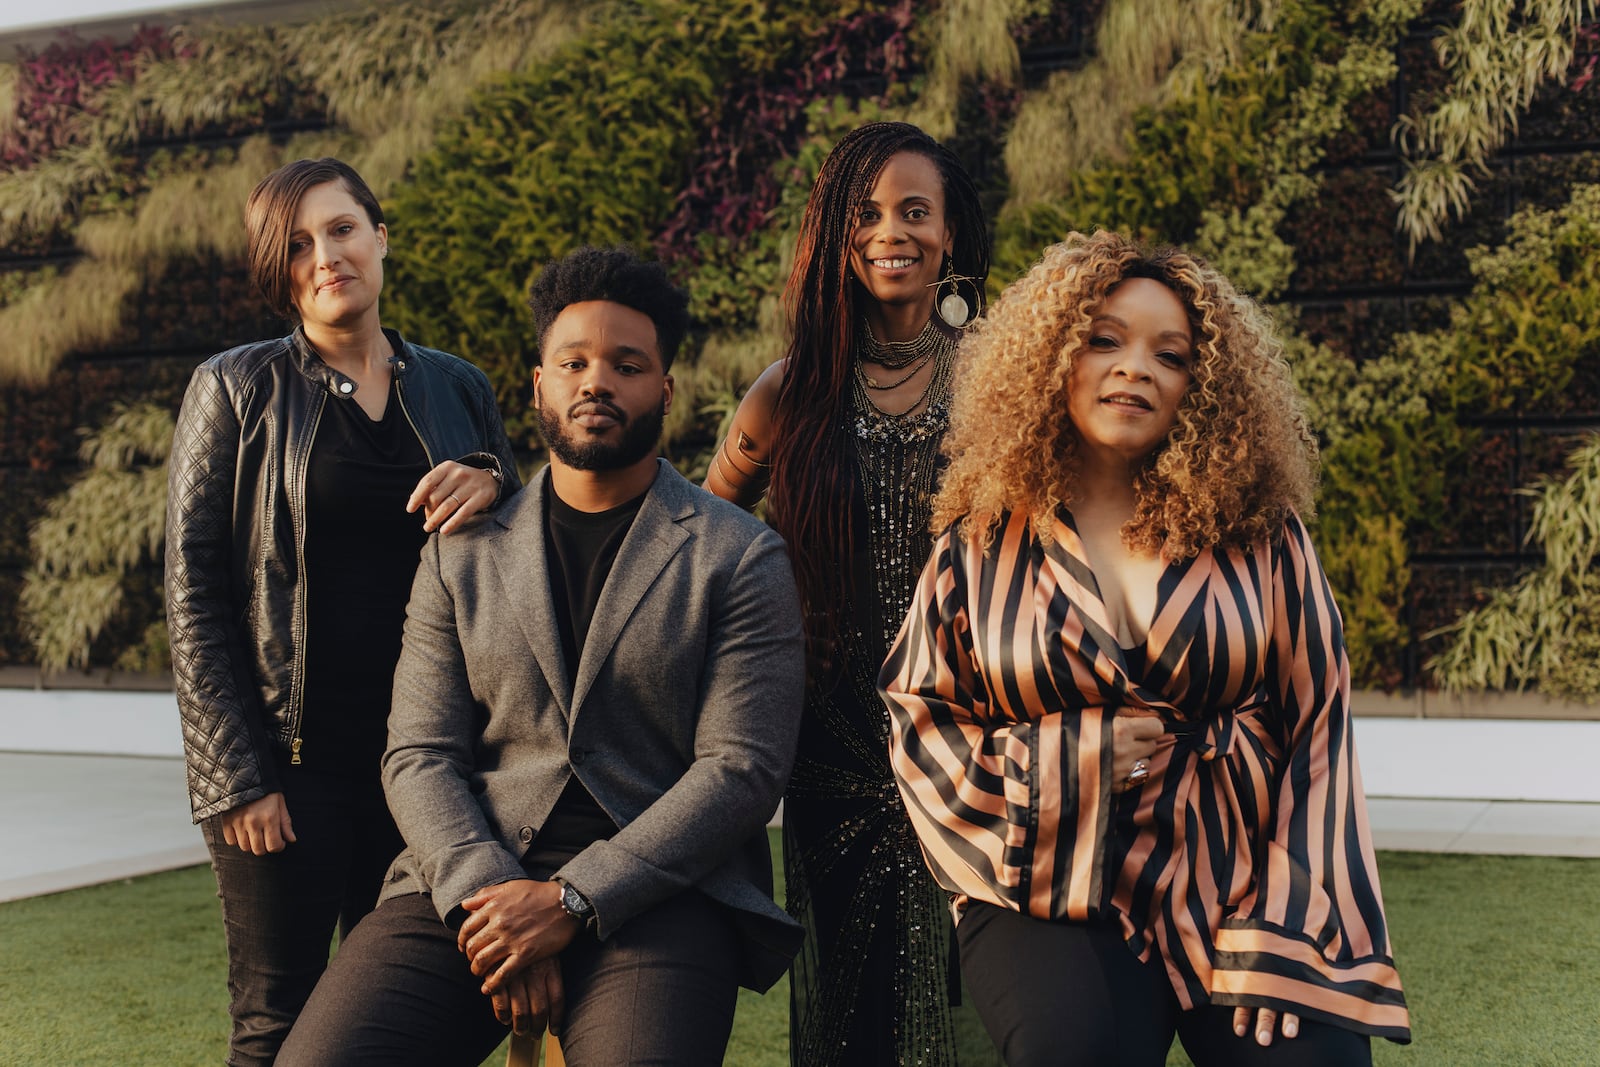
x=1137, y=776
x=457, y=499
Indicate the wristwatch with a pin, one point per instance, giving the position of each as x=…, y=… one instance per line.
x=576, y=904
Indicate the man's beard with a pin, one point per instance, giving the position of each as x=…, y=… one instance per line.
x=639, y=437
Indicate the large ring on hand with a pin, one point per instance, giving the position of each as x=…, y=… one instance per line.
x=1141, y=771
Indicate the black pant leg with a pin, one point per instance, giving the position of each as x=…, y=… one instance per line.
x=660, y=992
x=373, y=843
x=398, y=994
x=1060, y=994
x=1208, y=1038
x=279, y=910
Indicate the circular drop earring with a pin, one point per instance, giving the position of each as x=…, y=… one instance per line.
x=952, y=306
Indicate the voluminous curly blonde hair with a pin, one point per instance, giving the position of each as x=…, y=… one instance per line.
x=1240, y=457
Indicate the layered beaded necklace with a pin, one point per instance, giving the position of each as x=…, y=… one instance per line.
x=932, y=344
x=897, y=354
x=897, y=456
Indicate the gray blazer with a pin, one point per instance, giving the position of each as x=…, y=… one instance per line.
x=681, y=722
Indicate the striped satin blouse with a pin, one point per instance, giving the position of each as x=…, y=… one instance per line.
x=1244, y=862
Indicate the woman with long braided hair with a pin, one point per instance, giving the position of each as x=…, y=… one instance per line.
x=842, y=437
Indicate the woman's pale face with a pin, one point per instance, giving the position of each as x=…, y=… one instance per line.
x=1127, y=383
x=335, y=258
x=902, y=233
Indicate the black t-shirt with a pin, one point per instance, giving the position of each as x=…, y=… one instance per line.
x=361, y=553
x=580, y=548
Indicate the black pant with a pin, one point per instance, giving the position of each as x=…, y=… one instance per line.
x=280, y=910
x=659, y=991
x=1070, y=994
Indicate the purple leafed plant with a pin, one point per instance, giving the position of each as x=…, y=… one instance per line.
x=56, y=86
x=1585, y=55
x=731, y=189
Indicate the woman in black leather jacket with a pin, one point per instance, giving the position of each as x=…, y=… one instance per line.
x=306, y=473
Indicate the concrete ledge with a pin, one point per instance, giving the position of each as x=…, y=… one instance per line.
x=1500, y=704
x=1477, y=759
x=62, y=879
x=1485, y=827
x=79, y=722
x=1464, y=758
x=99, y=678
x=70, y=821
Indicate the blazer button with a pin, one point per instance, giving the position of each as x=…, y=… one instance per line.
x=525, y=834
x=576, y=757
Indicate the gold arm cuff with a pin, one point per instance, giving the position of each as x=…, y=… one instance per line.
x=745, y=486
x=759, y=470
x=744, y=449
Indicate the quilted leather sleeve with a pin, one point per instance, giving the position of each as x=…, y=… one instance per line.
x=224, y=738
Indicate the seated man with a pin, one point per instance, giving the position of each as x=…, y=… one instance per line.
x=594, y=717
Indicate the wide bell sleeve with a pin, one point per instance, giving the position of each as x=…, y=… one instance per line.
x=1007, y=790
x=1310, y=936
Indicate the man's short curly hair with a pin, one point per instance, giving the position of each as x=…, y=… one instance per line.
x=617, y=275
x=1240, y=457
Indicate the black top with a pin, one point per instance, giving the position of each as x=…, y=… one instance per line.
x=1137, y=658
x=580, y=548
x=361, y=551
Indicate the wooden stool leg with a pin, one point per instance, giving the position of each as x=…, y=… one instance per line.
x=525, y=1051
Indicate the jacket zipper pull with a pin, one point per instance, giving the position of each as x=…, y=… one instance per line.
x=294, y=751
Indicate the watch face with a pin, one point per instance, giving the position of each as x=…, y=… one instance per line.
x=573, y=901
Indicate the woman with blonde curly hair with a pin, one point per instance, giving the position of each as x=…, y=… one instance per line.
x=1119, y=703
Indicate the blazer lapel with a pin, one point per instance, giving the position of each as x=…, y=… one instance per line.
x=519, y=563
x=652, y=541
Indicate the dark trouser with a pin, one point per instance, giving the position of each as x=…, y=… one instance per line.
x=1069, y=994
x=659, y=991
x=280, y=910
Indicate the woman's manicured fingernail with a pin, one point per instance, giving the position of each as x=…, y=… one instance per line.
x=1290, y=1029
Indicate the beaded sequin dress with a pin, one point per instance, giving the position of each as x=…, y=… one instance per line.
x=873, y=982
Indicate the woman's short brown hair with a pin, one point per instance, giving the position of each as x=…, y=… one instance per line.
x=269, y=219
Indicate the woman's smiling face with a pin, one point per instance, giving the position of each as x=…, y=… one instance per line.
x=902, y=234
x=1128, y=381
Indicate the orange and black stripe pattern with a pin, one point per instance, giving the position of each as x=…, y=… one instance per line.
x=1245, y=861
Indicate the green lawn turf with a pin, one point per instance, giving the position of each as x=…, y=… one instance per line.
x=1500, y=958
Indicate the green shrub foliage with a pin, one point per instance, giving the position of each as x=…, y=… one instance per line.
x=504, y=134
x=90, y=590
x=1398, y=448
x=1544, y=630
x=1204, y=151
x=588, y=149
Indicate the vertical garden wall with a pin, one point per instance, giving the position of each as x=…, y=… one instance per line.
x=1410, y=182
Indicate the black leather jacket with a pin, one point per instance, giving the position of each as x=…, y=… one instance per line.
x=236, y=598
